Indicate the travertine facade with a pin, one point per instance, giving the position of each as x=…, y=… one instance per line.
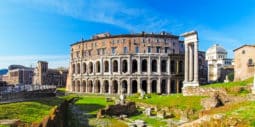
x=127, y=63
x=244, y=58
x=45, y=76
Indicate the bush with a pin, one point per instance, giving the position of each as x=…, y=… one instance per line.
x=231, y=76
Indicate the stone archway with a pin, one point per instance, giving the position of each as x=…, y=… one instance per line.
x=106, y=66
x=78, y=86
x=84, y=68
x=78, y=68
x=90, y=67
x=134, y=66
x=114, y=86
x=154, y=86
x=144, y=65
x=173, y=87
x=163, y=86
x=124, y=86
x=84, y=86
x=115, y=66
x=154, y=65
x=98, y=69
x=163, y=65
x=134, y=86
x=97, y=86
x=106, y=86
x=124, y=66
x=144, y=86
x=90, y=86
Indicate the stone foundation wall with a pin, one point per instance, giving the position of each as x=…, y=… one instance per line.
x=202, y=91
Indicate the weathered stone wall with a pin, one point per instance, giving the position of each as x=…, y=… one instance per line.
x=202, y=91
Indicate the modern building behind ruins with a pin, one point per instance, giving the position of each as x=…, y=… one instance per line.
x=244, y=58
x=45, y=76
x=218, y=63
x=127, y=63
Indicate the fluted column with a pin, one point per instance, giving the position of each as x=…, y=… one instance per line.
x=186, y=67
x=191, y=66
x=196, y=62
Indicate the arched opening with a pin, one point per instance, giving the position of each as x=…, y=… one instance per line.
x=173, y=87
x=78, y=68
x=134, y=86
x=73, y=68
x=154, y=66
x=98, y=67
x=97, y=87
x=124, y=86
x=90, y=67
x=124, y=66
x=115, y=66
x=114, y=86
x=73, y=86
x=163, y=66
x=163, y=86
x=144, y=65
x=181, y=67
x=172, y=66
x=180, y=86
x=106, y=66
x=78, y=86
x=84, y=68
x=154, y=86
x=84, y=86
x=134, y=66
x=144, y=86
x=90, y=86
x=106, y=86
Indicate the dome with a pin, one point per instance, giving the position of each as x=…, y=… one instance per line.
x=216, y=49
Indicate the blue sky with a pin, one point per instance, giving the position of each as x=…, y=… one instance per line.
x=32, y=30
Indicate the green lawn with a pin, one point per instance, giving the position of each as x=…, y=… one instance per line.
x=91, y=104
x=155, y=122
x=29, y=111
x=233, y=87
x=174, y=100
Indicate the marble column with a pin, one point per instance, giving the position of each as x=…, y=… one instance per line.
x=186, y=68
x=139, y=65
x=190, y=63
x=196, y=62
x=110, y=86
x=159, y=85
x=110, y=66
x=119, y=66
x=149, y=66
x=168, y=88
x=129, y=87
x=177, y=86
x=159, y=65
x=168, y=66
x=139, y=85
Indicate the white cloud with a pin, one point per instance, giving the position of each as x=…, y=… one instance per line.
x=31, y=60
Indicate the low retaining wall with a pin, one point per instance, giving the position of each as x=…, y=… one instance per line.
x=202, y=91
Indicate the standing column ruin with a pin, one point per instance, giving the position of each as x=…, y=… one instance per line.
x=191, y=59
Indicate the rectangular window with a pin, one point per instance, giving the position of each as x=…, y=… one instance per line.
x=125, y=50
x=166, y=49
x=136, y=49
x=149, y=49
x=113, y=50
x=158, y=49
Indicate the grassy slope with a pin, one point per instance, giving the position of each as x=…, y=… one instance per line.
x=175, y=100
x=29, y=111
x=244, y=111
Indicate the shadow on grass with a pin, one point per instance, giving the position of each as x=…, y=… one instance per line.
x=90, y=108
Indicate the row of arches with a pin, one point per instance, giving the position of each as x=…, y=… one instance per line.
x=123, y=86
x=105, y=67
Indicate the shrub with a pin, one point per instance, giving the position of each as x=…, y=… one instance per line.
x=231, y=76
